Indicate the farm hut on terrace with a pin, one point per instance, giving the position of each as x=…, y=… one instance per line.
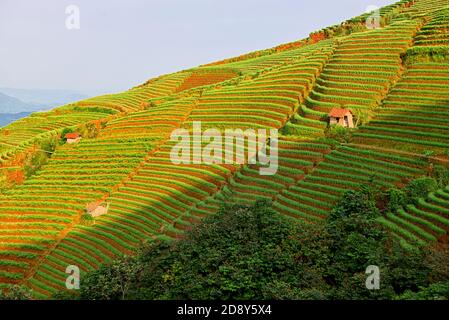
x=97, y=208
x=342, y=117
x=73, y=138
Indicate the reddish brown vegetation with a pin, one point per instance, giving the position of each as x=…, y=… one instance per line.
x=317, y=36
x=15, y=176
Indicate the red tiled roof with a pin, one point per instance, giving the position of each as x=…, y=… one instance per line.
x=339, y=112
x=72, y=135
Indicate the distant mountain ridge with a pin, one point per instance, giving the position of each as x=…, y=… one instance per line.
x=7, y=118
x=10, y=104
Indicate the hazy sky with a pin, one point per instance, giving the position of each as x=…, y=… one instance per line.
x=122, y=43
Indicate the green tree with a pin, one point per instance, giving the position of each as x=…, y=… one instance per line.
x=420, y=188
x=111, y=282
x=16, y=292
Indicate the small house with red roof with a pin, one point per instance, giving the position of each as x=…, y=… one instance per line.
x=73, y=138
x=342, y=117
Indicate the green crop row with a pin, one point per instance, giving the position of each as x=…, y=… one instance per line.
x=300, y=124
x=372, y=95
x=140, y=213
x=301, y=205
x=18, y=254
x=11, y=275
x=391, y=156
x=313, y=193
x=303, y=216
x=402, y=139
x=299, y=198
x=40, y=210
x=178, y=194
x=71, y=259
x=248, y=188
x=87, y=247
x=157, y=168
x=133, y=230
x=343, y=171
x=331, y=181
x=180, y=184
x=52, y=270
x=427, y=215
x=397, y=229
x=98, y=242
x=93, y=231
x=441, y=202
x=152, y=208
x=16, y=264
x=285, y=172
x=280, y=179
x=442, y=194
x=42, y=204
x=362, y=166
x=352, y=79
x=240, y=117
x=43, y=232
x=200, y=181
x=369, y=162
x=342, y=99
x=49, y=279
x=135, y=219
x=421, y=221
x=422, y=203
x=159, y=196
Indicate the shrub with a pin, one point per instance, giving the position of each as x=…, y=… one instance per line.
x=16, y=292
x=338, y=133
x=436, y=291
x=441, y=175
x=111, y=281
x=427, y=54
x=87, y=220
x=395, y=199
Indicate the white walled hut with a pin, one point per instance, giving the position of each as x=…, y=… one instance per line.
x=73, y=138
x=342, y=117
x=97, y=208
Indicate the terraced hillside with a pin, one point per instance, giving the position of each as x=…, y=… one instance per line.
x=393, y=79
x=359, y=74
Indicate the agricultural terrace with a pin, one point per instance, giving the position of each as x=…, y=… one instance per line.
x=23, y=133
x=358, y=75
x=132, y=99
x=150, y=200
x=345, y=168
x=36, y=215
x=422, y=223
x=296, y=158
x=206, y=76
x=434, y=33
x=415, y=114
x=267, y=99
